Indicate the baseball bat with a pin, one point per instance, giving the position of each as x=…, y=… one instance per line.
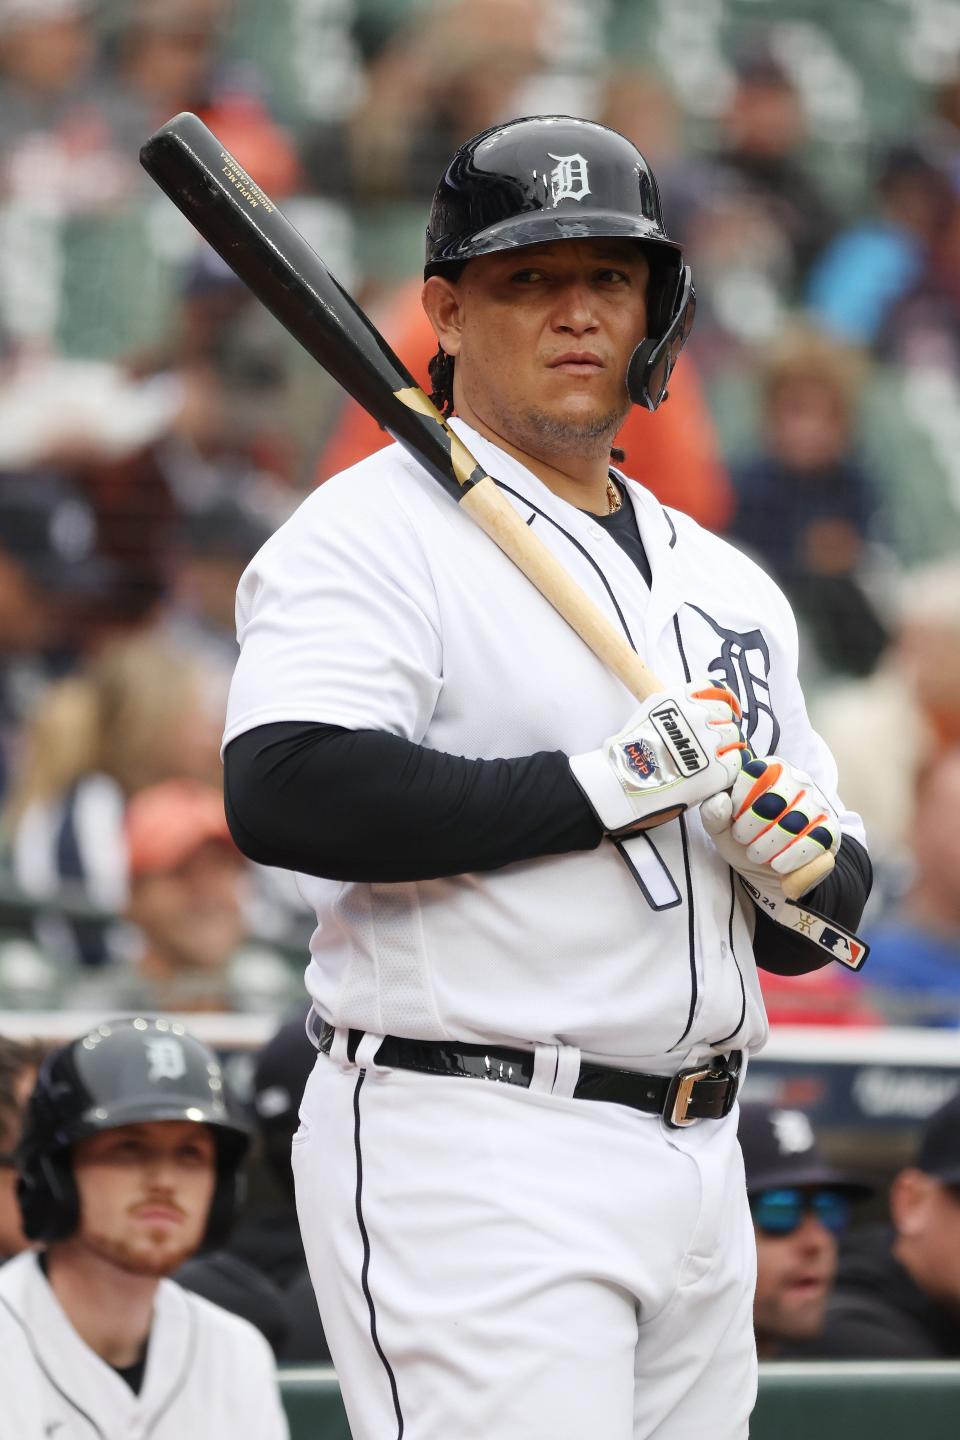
x=248, y=231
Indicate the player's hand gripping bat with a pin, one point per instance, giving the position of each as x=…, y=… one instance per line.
x=246, y=229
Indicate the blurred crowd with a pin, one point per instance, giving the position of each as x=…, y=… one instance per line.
x=156, y=424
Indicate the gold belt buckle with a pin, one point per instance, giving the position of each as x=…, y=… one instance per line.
x=680, y=1094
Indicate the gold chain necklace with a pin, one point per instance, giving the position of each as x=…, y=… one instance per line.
x=614, y=498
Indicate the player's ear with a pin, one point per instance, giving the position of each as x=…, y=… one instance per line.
x=441, y=300
x=910, y=1194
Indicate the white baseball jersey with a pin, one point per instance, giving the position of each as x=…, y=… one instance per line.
x=208, y=1372
x=380, y=605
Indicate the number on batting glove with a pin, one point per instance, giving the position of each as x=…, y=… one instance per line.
x=677, y=750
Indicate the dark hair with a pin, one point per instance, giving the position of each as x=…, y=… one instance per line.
x=16, y=1056
x=441, y=378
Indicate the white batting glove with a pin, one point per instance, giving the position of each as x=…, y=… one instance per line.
x=678, y=749
x=774, y=820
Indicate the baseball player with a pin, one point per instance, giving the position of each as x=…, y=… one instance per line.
x=517, y=1171
x=128, y=1163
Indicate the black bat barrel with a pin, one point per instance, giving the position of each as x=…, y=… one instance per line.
x=271, y=257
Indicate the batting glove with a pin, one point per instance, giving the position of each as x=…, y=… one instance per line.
x=773, y=821
x=680, y=748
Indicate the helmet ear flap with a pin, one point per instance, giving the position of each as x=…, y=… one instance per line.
x=651, y=364
x=47, y=1196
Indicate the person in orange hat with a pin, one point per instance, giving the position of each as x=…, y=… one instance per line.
x=186, y=881
x=186, y=906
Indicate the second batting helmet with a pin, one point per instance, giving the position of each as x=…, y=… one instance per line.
x=552, y=177
x=124, y=1072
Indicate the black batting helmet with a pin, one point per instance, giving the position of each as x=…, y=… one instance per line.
x=553, y=177
x=124, y=1072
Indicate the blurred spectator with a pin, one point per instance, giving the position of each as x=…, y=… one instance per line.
x=752, y=216
x=216, y=544
x=48, y=563
x=872, y=264
x=923, y=329
x=269, y=1240
x=800, y=1206
x=47, y=54
x=138, y=713
x=918, y=680
x=101, y=431
x=762, y=145
x=805, y=505
x=19, y=1063
x=914, y=963
x=172, y=55
x=897, y=1295
x=945, y=111
x=450, y=70
x=185, y=902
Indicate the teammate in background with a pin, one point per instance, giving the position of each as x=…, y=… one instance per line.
x=19, y=1062
x=128, y=1163
x=897, y=1295
x=800, y=1205
x=415, y=731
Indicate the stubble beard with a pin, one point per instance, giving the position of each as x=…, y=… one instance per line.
x=585, y=437
x=151, y=1258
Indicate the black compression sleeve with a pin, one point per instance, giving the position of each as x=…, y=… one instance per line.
x=363, y=805
x=841, y=897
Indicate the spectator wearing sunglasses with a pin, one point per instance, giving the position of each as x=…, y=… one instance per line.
x=898, y=1288
x=800, y=1206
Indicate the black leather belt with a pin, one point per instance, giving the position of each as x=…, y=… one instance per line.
x=703, y=1092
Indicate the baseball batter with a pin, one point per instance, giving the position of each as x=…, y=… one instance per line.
x=518, y=1178
x=128, y=1163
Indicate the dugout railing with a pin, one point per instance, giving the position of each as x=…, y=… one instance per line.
x=859, y=1400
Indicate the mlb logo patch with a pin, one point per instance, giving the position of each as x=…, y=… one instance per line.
x=845, y=948
x=640, y=758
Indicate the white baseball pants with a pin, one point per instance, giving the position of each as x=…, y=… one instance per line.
x=492, y=1261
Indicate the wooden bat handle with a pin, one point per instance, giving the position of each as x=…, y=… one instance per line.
x=497, y=518
x=807, y=876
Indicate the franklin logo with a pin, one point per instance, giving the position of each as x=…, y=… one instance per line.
x=166, y=1058
x=640, y=758
x=684, y=749
x=568, y=179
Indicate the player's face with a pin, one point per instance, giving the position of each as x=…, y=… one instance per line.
x=145, y=1192
x=543, y=336
x=795, y=1274
x=926, y=1214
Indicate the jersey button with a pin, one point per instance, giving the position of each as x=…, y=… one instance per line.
x=594, y=532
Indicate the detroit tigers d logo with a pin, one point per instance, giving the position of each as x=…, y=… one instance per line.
x=568, y=178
